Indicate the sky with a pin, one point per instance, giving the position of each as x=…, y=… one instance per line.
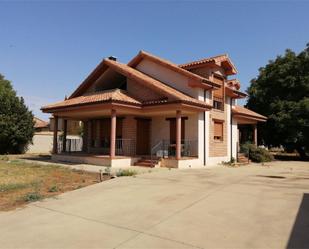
x=47, y=48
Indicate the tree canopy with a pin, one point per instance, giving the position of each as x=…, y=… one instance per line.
x=16, y=121
x=281, y=92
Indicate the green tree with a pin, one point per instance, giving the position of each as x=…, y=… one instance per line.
x=281, y=92
x=16, y=121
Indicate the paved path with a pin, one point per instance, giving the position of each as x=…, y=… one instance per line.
x=246, y=207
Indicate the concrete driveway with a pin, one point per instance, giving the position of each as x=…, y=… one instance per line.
x=246, y=207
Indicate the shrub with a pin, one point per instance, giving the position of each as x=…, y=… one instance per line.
x=16, y=121
x=126, y=172
x=230, y=163
x=30, y=197
x=256, y=154
x=53, y=188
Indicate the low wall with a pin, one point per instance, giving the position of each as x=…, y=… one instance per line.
x=182, y=164
x=96, y=160
x=42, y=143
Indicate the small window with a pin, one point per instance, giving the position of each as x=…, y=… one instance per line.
x=218, y=130
x=217, y=105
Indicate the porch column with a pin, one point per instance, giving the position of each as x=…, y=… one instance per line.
x=255, y=134
x=89, y=135
x=85, y=136
x=178, y=135
x=55, y=142
x=113, y=134
x=64, y=143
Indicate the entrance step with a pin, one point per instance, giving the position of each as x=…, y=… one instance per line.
x=147, y=162
x=242, y=158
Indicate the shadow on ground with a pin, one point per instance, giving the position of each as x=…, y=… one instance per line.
x=299, y=237
x=45, y=158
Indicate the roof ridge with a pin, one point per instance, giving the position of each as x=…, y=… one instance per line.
x=156, y=83
x=166, y=62
x=203, y=59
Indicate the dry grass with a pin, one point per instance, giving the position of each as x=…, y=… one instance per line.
x=21, y=183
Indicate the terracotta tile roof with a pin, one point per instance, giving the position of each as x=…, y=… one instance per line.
x=216, y=59
x=39, y=123
x=121, y=96
x=242, y=111
x=153, y=83
x=142, y=54
x=234, y=83
x=233, y=93
x=99, y=97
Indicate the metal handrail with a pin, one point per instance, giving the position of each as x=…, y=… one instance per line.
x=189, y=148
x=153, y=149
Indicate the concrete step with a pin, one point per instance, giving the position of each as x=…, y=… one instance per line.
x=147, y=162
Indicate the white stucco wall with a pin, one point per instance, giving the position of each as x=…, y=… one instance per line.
x=167, y=76
x=234, y=138
x=42, y=143
x=160, y=130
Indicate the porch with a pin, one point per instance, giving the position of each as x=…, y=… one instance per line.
x=121, y=141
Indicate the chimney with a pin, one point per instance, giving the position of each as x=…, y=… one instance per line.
x=113, y=58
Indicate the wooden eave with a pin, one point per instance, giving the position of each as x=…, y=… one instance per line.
x=93, y=76
x=115, y=103
x=235, y=94
x=199, y=79
x=248, y=117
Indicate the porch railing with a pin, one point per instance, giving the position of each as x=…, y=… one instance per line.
x=72, y=145
x=166, y=148
x=125, y=147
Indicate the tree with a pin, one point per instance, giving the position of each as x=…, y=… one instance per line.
x=16, y=121
x=281, y=92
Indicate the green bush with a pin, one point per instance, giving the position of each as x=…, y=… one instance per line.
x=16, y=121
x=30, y=197
x=256, y=154
x=53, y=188
x=126, y=172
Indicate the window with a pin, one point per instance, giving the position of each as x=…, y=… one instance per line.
x=218, y=130
x=218, y=94
x=217, y=105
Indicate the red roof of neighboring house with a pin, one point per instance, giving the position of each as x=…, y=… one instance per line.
x=224, y=59
x=242, y=111
x=39, y=123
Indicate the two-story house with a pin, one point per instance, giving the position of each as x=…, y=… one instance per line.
x=154, y=112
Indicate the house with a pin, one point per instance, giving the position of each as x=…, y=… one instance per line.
x=40, y=125
x=152, y=111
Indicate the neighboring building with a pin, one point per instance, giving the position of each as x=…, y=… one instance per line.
x=40, y=125
x=42, y=141
x=181, y=115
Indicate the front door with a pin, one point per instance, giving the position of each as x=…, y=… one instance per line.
x=143, y=136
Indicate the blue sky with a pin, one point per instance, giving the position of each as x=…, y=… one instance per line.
x=48, y=48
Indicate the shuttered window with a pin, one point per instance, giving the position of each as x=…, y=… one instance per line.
x=218, y=130
x=218, y=93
